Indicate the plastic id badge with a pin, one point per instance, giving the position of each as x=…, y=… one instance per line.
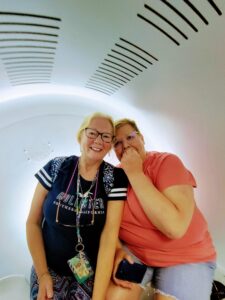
x=80, y=267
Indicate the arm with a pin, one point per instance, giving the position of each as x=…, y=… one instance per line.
x=108, y=244
x=119, y=256
x=170, y=210
x=36, y=245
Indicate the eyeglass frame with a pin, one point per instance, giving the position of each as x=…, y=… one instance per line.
x=131, y=135
x=74, y=225
x=99, y=133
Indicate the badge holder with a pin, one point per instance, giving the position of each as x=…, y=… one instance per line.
x=80, y=265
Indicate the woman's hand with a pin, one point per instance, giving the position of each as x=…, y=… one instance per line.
x=119, y=256
x=131, y=161
x=45, y=287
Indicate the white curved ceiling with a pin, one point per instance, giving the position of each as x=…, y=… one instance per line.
x=160, y=62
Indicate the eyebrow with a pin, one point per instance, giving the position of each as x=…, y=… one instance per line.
x=131, y=133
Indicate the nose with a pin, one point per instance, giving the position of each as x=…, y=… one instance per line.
x=125, y=144
x=98, y=138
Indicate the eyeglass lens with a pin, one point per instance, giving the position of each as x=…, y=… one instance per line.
x=93, y=134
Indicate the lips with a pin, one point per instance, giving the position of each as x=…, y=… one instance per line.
x=96, y=149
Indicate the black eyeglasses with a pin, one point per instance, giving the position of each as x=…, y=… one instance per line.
x=93, y=134
x=85, y=220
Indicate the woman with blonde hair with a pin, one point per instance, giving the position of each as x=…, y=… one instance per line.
x=73, y=223
x=162, y=228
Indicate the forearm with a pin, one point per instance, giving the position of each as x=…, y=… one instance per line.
x=36, y=247
x=104, y=268
x=162, y=212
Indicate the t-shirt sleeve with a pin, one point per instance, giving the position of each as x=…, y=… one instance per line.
x=173, y=172
x=47, y=174
x=119, y=189
x=44, y=175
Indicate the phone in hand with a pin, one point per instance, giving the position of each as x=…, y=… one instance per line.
x=131, y=272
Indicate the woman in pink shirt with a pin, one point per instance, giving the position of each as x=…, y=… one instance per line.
x=162, y=226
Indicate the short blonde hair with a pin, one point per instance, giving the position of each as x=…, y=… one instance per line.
x=126, y=121
x=87, y=120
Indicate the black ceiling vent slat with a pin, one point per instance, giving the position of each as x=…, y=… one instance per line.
x=215, y=7
x=26, y=52
x=13, y=79
x=125, y=62
x=98, y=90
x=29, y=46
x=117, y=69
x=104, y=83
x=106, y=69
x=137, y=62
x=28, y=62
x=122, y=47
x=29, y=32
x=180, y=14
x=29, y=75
x=195, y=10
x=99, y=87
x=108, y=78
x=29, y=80
x=27, y=57
x=28, y=15
x=160, y=29
x=35, y=82
x=28, y=40
x=27, y=67
x=32, y=71
x=107, y=89
x=166, y=20
x=28, y=24
x=112, y=62
x=29, y=72
x=139, y=48
x=111, y=76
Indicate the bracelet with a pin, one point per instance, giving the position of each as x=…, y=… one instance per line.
x=42, y=275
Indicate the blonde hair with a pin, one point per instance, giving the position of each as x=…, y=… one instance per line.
x=87, y=120
x=126, y=121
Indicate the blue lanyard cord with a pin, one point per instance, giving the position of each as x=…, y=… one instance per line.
x=79, y=208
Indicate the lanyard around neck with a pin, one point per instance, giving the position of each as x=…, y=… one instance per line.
x=79, y=207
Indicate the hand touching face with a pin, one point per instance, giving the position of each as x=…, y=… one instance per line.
x=131, y=161
x=126, y=137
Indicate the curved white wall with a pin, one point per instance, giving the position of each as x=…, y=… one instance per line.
x=37, y=127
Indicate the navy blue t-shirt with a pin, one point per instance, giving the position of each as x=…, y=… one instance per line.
x=59, y=240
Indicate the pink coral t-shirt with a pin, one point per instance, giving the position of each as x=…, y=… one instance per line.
x=145, y=240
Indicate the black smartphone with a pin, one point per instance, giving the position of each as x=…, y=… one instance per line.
x=131, y=272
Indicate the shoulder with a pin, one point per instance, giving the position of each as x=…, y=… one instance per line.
x=156, y=159
x=113, y=177
x=61, y=161
x=167, y=169
x=115, y=171
x=48, y=173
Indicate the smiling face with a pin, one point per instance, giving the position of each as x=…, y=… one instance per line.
x=127, y=136
x=94, y=148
